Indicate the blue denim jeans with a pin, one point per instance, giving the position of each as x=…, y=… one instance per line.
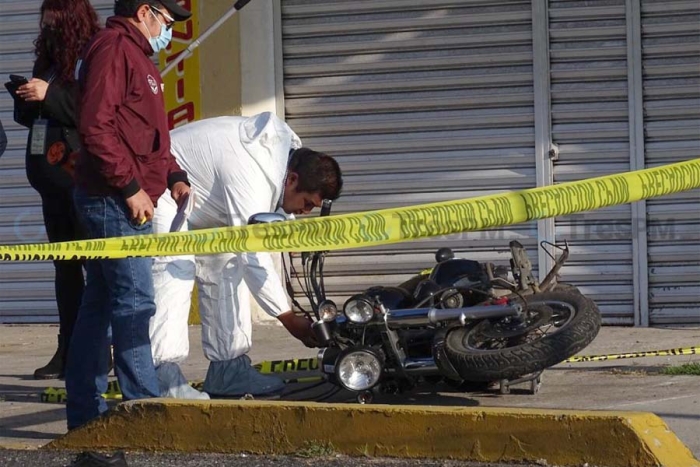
x=118, y=292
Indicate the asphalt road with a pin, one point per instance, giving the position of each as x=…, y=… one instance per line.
x=14, y=458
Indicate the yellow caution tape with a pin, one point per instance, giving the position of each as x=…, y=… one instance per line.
x=53, y=395
x=58, y=395
x=647, y=353
x=384, y=226
x=303, y=364
x=283, y=366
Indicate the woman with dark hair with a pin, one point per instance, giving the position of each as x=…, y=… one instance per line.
x=47, y=105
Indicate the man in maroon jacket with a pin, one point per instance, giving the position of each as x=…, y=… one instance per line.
x=124, y=167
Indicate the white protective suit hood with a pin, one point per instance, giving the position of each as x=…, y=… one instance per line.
x=269, y=140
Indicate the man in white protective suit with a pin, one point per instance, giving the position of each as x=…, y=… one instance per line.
x=237, y=166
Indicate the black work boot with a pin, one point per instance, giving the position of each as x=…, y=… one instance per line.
x=95, y=459
x=57, y=365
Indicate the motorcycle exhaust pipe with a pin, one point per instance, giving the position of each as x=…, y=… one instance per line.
x=420, y=366
x=397, y=319
x=417, y=366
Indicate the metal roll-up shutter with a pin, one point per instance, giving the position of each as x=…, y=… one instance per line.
x=671, y=72
x=420, y=101
x=590, y=127
x=26, y=289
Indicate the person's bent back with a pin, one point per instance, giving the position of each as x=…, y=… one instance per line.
x=238, y=166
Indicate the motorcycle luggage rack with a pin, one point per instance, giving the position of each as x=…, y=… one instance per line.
x=535, y=380
x=522, y=268
x=551, y=278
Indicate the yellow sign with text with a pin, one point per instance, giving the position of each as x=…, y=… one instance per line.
x=182, y=87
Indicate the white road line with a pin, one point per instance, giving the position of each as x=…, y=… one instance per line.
x=651, y=401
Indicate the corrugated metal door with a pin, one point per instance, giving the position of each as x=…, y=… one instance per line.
x=671, y=72
x=421, y=101
x=26, y=289
x=590, y=127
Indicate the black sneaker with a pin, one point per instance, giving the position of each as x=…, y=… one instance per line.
x=94, y=459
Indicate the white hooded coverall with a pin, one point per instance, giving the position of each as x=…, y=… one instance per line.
x=237, y=167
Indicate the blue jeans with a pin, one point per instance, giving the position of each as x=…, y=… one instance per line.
x=118, y=292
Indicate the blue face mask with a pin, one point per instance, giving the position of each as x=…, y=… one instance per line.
x=160, y=42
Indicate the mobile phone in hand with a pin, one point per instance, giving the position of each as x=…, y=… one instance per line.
x=18, y=80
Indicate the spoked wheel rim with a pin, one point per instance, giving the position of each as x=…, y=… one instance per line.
x=542, y=318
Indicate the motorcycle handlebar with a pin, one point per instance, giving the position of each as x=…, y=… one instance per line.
x=326, y=207
x=317, y=262
x=314, y=280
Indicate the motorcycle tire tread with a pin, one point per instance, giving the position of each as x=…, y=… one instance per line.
x=511, y=363
x=565, y=287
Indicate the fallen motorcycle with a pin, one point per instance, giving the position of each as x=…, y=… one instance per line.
x=460, y=322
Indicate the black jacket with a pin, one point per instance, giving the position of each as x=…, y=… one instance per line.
x=60, y=109
x=60, y=106
x=3, y=139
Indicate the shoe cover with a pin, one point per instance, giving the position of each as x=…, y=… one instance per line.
x=237, y=377
x=173, y=384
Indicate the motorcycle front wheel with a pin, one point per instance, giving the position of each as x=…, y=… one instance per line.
x=555, y=326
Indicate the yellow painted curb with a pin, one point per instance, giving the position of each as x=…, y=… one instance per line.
x=562, y=437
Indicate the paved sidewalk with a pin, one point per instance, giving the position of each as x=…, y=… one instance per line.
x=634, y=384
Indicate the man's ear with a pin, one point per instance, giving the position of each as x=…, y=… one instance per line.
x=142, y=12
x=292, y=181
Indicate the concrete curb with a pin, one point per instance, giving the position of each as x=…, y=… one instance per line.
x=562, y=437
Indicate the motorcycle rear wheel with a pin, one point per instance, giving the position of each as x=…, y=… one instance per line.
x=492, y=350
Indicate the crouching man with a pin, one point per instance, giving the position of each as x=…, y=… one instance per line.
x=237, y=166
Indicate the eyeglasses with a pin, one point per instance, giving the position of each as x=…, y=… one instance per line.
x=170, y=20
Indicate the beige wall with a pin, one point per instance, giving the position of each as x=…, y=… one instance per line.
x=221, y=84
x=220, y=60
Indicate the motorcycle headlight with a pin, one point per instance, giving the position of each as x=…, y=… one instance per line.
x=359, y=369
x=359, y=309
x=327, y=311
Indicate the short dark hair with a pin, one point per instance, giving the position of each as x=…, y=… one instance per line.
x=128, y=8
x=318, y=173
